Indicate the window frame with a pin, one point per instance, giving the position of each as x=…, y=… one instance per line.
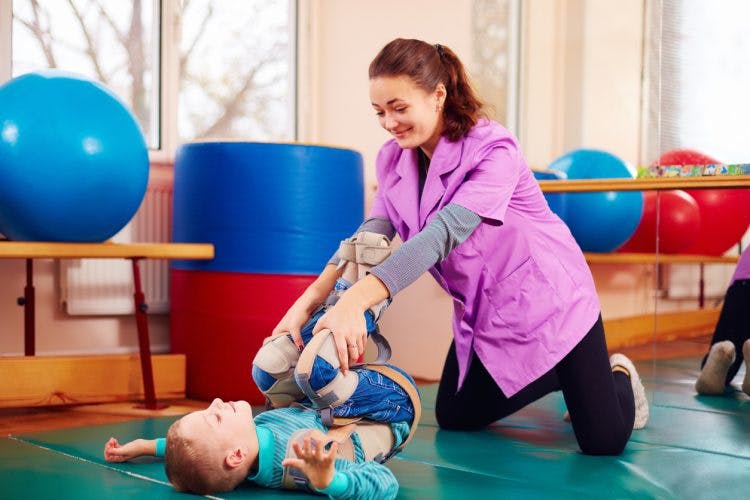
x=169, y=78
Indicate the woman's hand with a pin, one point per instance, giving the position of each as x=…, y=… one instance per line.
x=314, y=460
x=292, y=323
x=347, y=324
x=346, y=319
x=115, y=452
x=297, y=315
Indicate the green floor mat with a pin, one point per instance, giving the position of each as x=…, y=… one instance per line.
x=29, y=471
x=692, y=447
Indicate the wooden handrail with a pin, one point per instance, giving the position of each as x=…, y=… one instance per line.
x=652, y=258
x=646, y=184
x=54, y=250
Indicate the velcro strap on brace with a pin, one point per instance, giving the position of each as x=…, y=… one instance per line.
x=416, y=402
x=365, y=248
x=358, y=255
x=278, y=358
x=376, y=439
x=283, y=393
x=340, y=388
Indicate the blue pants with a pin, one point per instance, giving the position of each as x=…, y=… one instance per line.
x=377, y=397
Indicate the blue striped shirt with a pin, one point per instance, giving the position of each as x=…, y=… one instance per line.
x=353, y=480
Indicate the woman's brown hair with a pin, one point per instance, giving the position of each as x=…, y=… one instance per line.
x=428, y=65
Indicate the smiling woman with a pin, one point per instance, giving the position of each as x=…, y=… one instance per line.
x=457, y=190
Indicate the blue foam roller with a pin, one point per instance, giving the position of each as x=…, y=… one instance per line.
x=267, y=208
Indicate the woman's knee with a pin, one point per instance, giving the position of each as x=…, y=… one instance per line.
x=456, y=418
x=609, y=443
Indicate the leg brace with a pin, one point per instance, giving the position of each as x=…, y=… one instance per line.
x=274, y=364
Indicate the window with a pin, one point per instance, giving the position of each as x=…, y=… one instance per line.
x=698, y=76
x=115, y=43
x=714, y=78
x=228, y=65
x=236, y=70
x=495, y=57
x=701, y=51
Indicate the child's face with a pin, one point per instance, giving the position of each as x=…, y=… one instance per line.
x=225, y=426
x=411, y=115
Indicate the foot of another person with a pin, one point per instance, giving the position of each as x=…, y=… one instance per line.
x=713, y=375
x=746, y=354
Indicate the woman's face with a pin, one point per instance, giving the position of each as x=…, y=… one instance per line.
x=411, y=115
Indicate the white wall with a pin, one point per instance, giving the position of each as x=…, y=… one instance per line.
x=56, y=332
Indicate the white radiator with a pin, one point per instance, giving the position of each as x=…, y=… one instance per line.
x=105, y=286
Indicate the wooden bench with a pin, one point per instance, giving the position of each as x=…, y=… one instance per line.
x=132, y=251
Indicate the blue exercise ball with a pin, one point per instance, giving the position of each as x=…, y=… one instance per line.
x=73, y=160
x=556, y=201
x=599, y=221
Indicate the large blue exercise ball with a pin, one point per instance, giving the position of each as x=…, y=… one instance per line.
x=73, y=160
x=599, y=221
x=557, y=201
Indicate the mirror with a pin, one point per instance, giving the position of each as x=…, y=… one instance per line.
x=697, y=117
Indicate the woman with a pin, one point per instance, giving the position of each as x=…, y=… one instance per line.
x=456, y=188
x=730, y=344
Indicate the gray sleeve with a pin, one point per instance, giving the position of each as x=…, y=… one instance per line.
x=378, y=225
x=451, y=226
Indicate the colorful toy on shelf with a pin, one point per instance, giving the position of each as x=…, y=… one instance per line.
x=690, y=170
x=600, y=221
x=73, y=161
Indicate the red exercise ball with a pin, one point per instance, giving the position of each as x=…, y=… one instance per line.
x=685, y=157
x=679, y=222
x=724, y=213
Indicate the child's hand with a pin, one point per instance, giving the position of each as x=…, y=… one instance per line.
x=314, y=461
x=115, y=452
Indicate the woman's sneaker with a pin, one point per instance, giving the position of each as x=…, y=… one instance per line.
x=639, y=393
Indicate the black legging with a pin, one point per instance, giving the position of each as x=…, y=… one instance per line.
x=600, y=402
x=734, y=323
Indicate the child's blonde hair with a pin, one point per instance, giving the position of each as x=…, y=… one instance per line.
x=196, y=466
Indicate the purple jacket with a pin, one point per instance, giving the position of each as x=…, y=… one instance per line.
x=522, y=292
x=742, y=271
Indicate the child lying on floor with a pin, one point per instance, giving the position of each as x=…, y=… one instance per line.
x=360, y=419
x=215, y=449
